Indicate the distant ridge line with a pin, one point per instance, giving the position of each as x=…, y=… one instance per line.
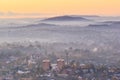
x=66, y=18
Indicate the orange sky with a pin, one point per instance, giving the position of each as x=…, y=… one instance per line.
x=22, y=8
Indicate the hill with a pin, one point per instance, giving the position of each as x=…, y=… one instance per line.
x=65, y=18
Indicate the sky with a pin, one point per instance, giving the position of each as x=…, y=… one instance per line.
x=43, y=8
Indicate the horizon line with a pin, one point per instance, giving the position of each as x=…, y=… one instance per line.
x=51, y=15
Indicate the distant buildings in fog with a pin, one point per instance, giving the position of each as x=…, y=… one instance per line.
x=46, y=64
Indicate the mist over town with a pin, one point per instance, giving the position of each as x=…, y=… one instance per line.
x=67, y=47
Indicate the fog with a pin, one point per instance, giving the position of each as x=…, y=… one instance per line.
x=95, y=37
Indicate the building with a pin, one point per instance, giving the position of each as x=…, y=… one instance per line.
x=60, y=63
x=46, y=65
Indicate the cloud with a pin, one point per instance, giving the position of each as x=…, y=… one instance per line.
x=1, y=13
x=22, y=14
x=10, y=13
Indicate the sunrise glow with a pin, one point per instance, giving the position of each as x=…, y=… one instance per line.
x=39, y=8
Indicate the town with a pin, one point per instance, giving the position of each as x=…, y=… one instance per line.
x=35, y=61
x=33, y=68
